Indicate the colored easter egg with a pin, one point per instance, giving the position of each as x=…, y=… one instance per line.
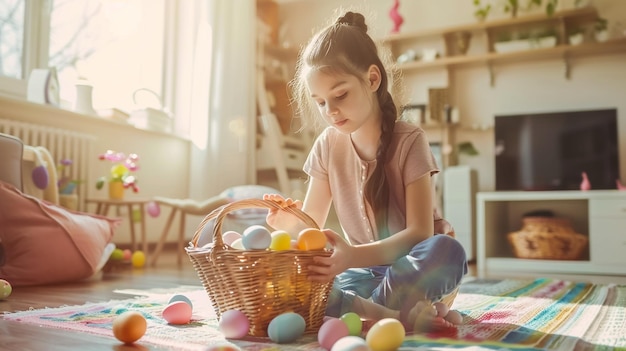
x=256, y=237
x=230, y=236
x=286, y=328
x=350, y=343
x=5, y=289
x=281, y=240
x=129, y=326
x=331, y=331
x=153, y=209
x=138, y=259
x=354, y=323
x=179, y=297
x=177, y=312
x=117, y=255
x=234, y=324
x=40, y=177
x=385, y=335
x=311, y=239
x=127, y=254
x=238, y=244
x=222, y=347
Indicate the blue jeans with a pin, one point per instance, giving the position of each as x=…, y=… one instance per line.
x=433, y=268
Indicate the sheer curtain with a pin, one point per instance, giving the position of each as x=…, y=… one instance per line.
x=222, y=98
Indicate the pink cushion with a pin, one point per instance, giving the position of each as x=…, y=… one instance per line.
x=44, y=243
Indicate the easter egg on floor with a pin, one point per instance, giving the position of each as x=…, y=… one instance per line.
x=385, y=335
x=331, y=331
x=177, y=312
x=138, y=259
x=234, y=324
x=354, y=323
x=256, y=237
x=129, y=327
x=179, y=297
x=350, y=343
x=5, y=289
x=311, y=239
x=286, y=328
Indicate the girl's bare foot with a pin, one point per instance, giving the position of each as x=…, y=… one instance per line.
x=426, y=316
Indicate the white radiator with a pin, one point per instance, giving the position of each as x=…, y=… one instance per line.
x=62, y=144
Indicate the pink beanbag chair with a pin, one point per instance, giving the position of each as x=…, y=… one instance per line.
x=45, y=244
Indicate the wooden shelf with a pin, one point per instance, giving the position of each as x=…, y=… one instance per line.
x=559, y=51
x=581, y=13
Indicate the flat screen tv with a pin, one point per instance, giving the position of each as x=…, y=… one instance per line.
x=550, y=151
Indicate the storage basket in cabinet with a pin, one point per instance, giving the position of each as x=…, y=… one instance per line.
x=260, y=283
x=549, y=238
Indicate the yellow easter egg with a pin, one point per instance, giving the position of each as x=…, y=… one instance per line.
x=138, y=259
x=311, y=239
x=281, y=240
x=385, y=335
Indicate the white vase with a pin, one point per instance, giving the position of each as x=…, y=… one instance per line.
x=84, y=102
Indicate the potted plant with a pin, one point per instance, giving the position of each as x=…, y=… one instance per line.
x=121, y=174
x=66, y=185
x=576, y=36
x=482, y=11
x=600, y=29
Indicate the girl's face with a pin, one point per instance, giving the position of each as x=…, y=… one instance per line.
x=343, y=100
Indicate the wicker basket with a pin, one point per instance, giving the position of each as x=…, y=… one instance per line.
x=260, y=283
x=548, y=238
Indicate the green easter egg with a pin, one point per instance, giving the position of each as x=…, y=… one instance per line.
x=354, y=323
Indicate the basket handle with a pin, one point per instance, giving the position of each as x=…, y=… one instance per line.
x=220, y=213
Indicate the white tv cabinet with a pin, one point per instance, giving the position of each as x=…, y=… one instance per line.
x=599, y=214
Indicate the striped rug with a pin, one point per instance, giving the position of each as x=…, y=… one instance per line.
x=541, y=314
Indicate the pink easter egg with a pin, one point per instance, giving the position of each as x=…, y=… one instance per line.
x=153, y=209
x=230, y=236
x=234, y=324
x=177, y=312
x=331, y=331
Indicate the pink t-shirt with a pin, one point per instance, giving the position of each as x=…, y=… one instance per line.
x=334, y=159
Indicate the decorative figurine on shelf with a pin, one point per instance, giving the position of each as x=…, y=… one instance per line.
x=396, y=17
x=585, y=184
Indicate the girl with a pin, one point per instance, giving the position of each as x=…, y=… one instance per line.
x=377, y=172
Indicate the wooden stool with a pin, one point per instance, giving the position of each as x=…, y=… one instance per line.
x=185, y=207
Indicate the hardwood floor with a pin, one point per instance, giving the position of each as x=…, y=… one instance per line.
x=17, y=336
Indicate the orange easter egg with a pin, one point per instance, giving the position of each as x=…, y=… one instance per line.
x=311, y=239
x=129, y=326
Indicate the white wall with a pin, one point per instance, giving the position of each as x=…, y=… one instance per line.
x=533, y=86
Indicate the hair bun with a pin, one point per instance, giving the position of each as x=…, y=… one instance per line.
x=353, y=19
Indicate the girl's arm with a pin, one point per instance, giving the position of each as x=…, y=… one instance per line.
x=419, y=226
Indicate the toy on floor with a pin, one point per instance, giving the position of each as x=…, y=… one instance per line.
x=125, y=259
x=129, y=327
x=5, y=289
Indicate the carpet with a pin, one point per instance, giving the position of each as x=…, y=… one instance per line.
x=541, y=314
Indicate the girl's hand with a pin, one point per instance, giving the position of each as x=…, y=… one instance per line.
x=326, y=268
x=279, y=219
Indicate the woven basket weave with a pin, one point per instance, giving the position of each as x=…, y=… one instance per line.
x=260, y=283
x=547, y=238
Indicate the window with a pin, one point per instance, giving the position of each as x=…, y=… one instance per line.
x=116, y=45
